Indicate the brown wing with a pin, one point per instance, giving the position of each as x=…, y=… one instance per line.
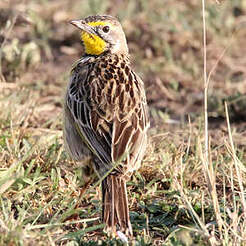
x=110, y=118
x=130, y=129
x=85, y=120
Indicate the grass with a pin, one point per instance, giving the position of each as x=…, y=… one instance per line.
x=186, y=192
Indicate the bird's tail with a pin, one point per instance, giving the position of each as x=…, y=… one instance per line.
x=115, y=205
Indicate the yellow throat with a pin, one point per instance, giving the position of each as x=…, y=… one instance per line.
x=94, y=45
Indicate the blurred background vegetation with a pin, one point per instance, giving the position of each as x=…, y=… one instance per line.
x=37, y=49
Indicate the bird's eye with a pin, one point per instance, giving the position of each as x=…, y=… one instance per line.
x=106, y=29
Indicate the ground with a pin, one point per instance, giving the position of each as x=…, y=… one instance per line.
x=178, y=197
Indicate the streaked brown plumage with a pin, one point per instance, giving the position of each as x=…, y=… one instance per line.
x=106, y=115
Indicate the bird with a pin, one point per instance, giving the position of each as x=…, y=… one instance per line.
x=106, y=115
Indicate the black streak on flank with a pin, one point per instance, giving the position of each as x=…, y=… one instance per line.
x=111, y=70
x=132, y=93
x=121, y=77
x=127, y=70
x=127, y=87
x=118, y=90
x=110, y=75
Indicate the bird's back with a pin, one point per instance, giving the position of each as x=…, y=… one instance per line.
x=108, y=104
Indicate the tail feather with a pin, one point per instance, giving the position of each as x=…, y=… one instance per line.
x=115, y=205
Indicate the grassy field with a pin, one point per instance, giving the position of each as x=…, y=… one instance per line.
x=182, y=195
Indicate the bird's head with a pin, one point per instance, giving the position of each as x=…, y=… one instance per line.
x=101, y=34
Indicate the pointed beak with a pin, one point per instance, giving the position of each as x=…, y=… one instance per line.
x=83, y=26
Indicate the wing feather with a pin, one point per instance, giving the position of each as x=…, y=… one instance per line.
x=82, y=114
x=130, y=133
